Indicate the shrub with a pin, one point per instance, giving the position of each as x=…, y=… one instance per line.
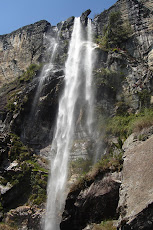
x=17, y=149
x=144, y=98
x=115, y=32
x=38, y=186
x=108, y=163
x=144, y=120
x=124, y=125
x=104, y=225
x=14, y=100
x=109, y=78
x=30, y=73
x=80, y=166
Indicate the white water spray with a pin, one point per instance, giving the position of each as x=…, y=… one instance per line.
x=66, y=120
x=47, y=68
x=89, y=61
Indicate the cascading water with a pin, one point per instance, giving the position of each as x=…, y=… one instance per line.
x=53, y=41
x=66, y=120
x=88, y=71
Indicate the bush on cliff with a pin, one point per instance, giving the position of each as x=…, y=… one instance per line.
x=115, y=32
x=124, y=125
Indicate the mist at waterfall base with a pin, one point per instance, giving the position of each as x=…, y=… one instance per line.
x=77, y=96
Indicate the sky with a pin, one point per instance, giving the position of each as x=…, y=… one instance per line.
x=17, y=13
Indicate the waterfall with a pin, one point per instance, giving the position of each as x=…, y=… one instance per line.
x=53, y=42
x=47, y=68
x=89, y=61
x=76, y=69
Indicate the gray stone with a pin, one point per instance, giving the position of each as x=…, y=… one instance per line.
x=136, y=192
x=21, y=48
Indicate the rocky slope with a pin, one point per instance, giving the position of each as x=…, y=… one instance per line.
x=123, y=82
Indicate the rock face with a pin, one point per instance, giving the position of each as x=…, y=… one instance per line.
x=135, y=62
x=26, y=217
x=90, y=205
x=21, y=48
x=123, y=80
x=136, y=192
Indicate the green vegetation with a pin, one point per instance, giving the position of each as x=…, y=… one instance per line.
x=144, y=98
x=15, y=103
x=34, y=164
x=27, y=175
x=115, y=32
x=123, y=125
x=108, y=163
x=38, y=185
x=104, y=225
x=30, y=73
x=17, y=149
x=108, y=77
x=80, y=166
x=13, y=90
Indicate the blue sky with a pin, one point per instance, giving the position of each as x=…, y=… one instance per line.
x=17, y=13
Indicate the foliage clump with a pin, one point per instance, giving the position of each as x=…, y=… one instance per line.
x=30, y=73
x=124, y=125
x=38, y=188
x=115, y=32
x=104, y=225
x=80, y=166
x=15, y=98
x=17, y=149
x=109, y=78
x=25, y=175
x=108, y=163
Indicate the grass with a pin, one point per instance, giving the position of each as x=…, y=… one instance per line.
x=104, y=225
x=80, y=166
x=30, y=73
x=108, y=163
x=124, y=125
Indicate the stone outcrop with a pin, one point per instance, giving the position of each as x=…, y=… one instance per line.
x=140, y=17
x=21, y=48
x=97, y=201
x=84, y=17
x=136, y=192
x=26, y=217
x=134, y=60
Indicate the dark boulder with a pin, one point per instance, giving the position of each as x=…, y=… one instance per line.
x=84, y=17
x=91, y=205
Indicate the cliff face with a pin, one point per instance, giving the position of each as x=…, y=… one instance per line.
x=21, y=48
x=123, y=81
x=135, y=59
